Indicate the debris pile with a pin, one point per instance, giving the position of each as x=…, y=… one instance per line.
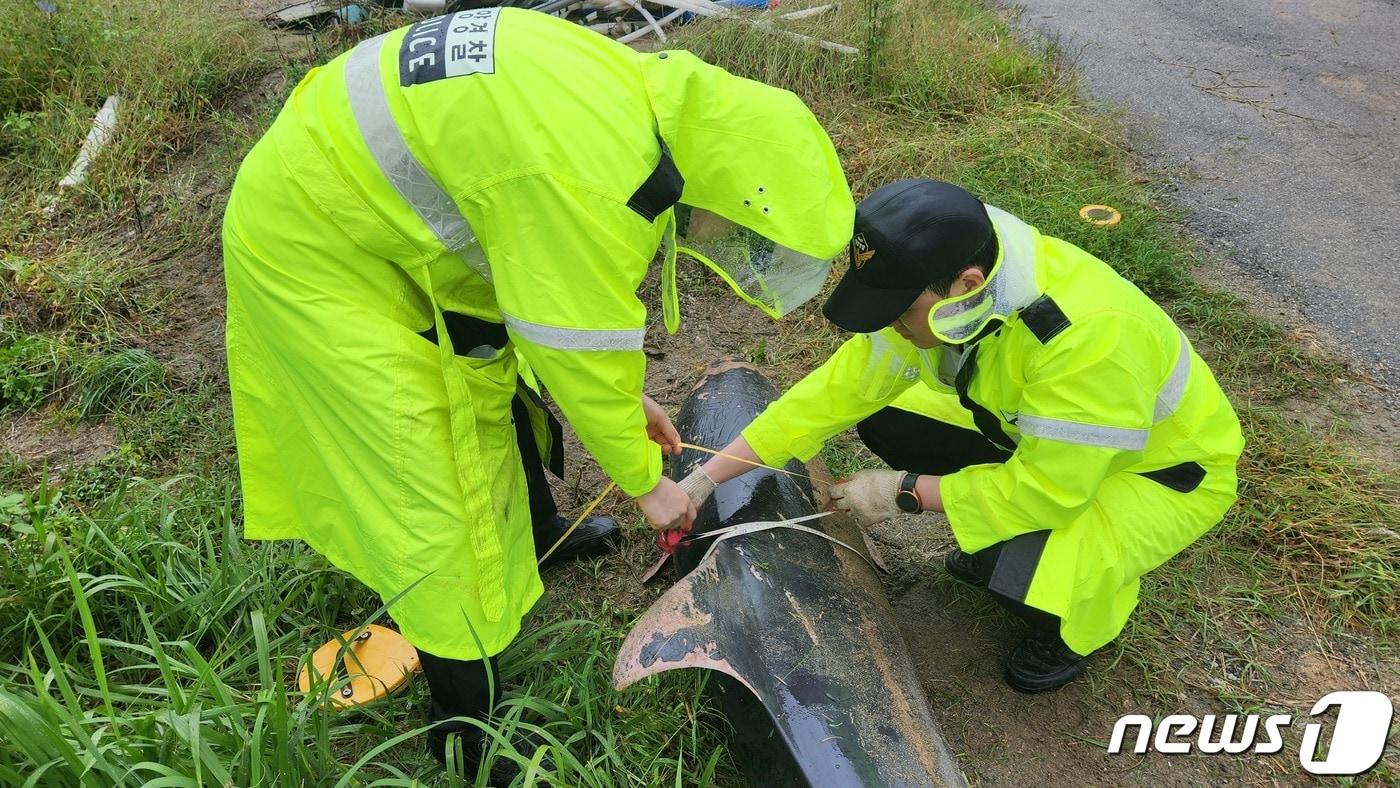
x=624, y=20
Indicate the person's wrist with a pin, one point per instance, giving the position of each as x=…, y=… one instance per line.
x=709, y=468
x=698, y=485
x=929, y=492
x=660, y=480
x=907, y=497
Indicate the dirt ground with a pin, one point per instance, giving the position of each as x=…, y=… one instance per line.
x=35, y=439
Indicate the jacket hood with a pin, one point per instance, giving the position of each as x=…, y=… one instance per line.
x=752, y=153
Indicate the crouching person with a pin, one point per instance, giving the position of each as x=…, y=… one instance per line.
x=1019, y=385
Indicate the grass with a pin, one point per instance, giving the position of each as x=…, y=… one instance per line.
x=145, y=639
x=92, y=379
x=142, y=639
x=78, y=267
x=173, y=63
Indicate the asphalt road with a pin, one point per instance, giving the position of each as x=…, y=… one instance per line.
x=1282, y=117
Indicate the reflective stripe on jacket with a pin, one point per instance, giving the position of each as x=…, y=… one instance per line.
x=385, y=197
x=1087, y=381
x=488, y=172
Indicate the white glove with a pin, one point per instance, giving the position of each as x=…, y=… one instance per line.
x=698, y=485
x=871, y=496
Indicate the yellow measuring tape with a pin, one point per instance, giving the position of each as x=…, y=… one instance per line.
x=718, y=453
x=587, y=510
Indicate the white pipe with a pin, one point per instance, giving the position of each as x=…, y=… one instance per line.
x=636, y=34
x=808, y=12
x=824, y=44
x=97, y=137
x=708, y=8
x=671, y=17
x=651, y=20
x=701, y=7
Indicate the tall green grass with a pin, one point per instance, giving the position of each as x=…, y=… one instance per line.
x=145, y=640
x=77, y=265
x=174, y=63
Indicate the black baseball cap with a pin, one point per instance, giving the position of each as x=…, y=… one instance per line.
x=908, y=235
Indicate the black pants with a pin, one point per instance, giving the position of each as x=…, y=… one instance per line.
x=459, y=687
x=471, y=332
x=918, y=444
x=542, y=507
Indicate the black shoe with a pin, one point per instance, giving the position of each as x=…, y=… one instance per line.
x=470, y=739
x=963, y=566
x=473, y=745
x=1042, y=662
x=594, y=537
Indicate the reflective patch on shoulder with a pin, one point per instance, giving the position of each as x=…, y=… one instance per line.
x=456, y=45
x=1044, y=318
x=661, y=190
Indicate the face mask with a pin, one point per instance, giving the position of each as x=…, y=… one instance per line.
x=959, y=319
x=764, y=273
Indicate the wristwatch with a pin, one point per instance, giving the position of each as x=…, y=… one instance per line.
x=908, y=498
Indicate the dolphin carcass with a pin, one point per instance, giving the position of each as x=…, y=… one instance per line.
x=814, y=676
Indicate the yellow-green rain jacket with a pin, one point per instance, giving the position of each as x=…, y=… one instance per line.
x=432, y=204
x=1124, y=446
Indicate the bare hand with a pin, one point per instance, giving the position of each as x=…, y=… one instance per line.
x=667, y=506
x=659, y=427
